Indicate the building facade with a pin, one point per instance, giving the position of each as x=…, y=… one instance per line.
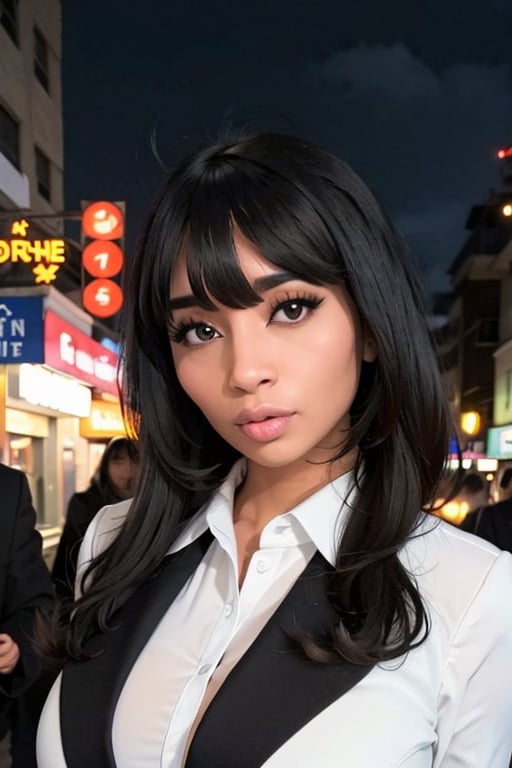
x=31, y=138
x=58, y=392
x=475, y=345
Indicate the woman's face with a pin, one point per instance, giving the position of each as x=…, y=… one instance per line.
x=276, y=380
x=122, y=473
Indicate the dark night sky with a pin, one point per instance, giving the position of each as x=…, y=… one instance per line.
x=416, y=96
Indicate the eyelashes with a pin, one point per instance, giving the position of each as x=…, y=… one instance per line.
x=304, y=301
x=292, y=310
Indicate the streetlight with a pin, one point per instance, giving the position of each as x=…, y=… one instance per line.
x=470, y=422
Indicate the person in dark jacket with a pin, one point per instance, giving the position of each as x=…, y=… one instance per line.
x=474, y=491
x=493, y=522
x=506, y=485
x=25, y=588
x=113, y=481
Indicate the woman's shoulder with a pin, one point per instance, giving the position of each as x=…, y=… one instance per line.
x=104, y=528
x=453, y=568
x=101, y=532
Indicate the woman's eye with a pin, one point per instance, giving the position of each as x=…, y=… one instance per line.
x=291, y=312
x=199, y=334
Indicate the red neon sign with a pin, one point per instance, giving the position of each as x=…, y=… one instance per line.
x=102, y=298
x=103, y=221
x=70, y=351
x=102, y=258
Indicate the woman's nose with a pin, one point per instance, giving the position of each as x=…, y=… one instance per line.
x=251, y=362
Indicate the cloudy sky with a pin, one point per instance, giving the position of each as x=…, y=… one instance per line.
x=416, y=96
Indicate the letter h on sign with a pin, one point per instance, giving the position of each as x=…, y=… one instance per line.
x=102, y=257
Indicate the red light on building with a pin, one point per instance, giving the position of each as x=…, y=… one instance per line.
x=103, y=220
x=502, y=153
x=102, y=258
x=102, y=298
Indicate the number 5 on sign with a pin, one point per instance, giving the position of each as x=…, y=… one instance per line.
x=102, y=298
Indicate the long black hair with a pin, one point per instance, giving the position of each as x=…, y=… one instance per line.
x=308, y=213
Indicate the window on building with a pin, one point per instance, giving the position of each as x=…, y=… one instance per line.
x=41, y=70
x=9, y=137
x=9, y=18
x=43, y=175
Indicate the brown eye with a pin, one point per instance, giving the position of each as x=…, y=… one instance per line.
x=199, y=333
x=205, y=332
x=293, y=310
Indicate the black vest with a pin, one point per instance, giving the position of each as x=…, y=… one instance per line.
x=271, y=693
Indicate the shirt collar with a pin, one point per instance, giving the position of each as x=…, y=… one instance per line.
x=323, y=515
x=216, y=514
x=320, y=518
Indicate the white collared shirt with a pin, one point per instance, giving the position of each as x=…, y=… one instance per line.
x=415, y=712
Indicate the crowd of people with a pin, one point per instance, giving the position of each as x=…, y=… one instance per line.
x=29, y=589
x=260, y=582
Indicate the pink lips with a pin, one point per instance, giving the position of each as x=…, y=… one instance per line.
x=263, y=424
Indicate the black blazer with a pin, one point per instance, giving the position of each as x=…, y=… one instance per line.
x=81, y=509
x=272, y=670
x=25, y=583
x=494, y=523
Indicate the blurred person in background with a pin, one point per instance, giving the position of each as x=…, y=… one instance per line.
x=505, y=489
x=474, y=495
x=114, y=480
x=25, y=588
x=494, y=522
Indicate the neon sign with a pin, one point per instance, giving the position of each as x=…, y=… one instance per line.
x=47, y=255
x=70, y=351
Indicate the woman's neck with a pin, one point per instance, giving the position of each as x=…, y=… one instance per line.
x=267, y=492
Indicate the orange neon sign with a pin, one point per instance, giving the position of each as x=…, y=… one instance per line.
x=103, y=221
x=102, y=298
x=47, y=255
x=102, y=258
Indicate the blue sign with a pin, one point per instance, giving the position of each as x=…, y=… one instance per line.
x=21, y=329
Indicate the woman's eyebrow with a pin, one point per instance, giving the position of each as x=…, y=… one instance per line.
x=260, y=285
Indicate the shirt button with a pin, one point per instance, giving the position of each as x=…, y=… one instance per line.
x=262, y=566
x=204, y=669
x=228, y=610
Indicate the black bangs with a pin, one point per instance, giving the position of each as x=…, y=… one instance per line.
x=275, y=214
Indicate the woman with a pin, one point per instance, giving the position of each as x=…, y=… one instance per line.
x=275, y=594
x=114, y=480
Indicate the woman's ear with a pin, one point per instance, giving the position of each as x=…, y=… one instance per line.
x=369, y=348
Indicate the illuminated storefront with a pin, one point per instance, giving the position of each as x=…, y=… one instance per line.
x=58, y=396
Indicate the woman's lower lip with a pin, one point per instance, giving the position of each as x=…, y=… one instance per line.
x=264, y=431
